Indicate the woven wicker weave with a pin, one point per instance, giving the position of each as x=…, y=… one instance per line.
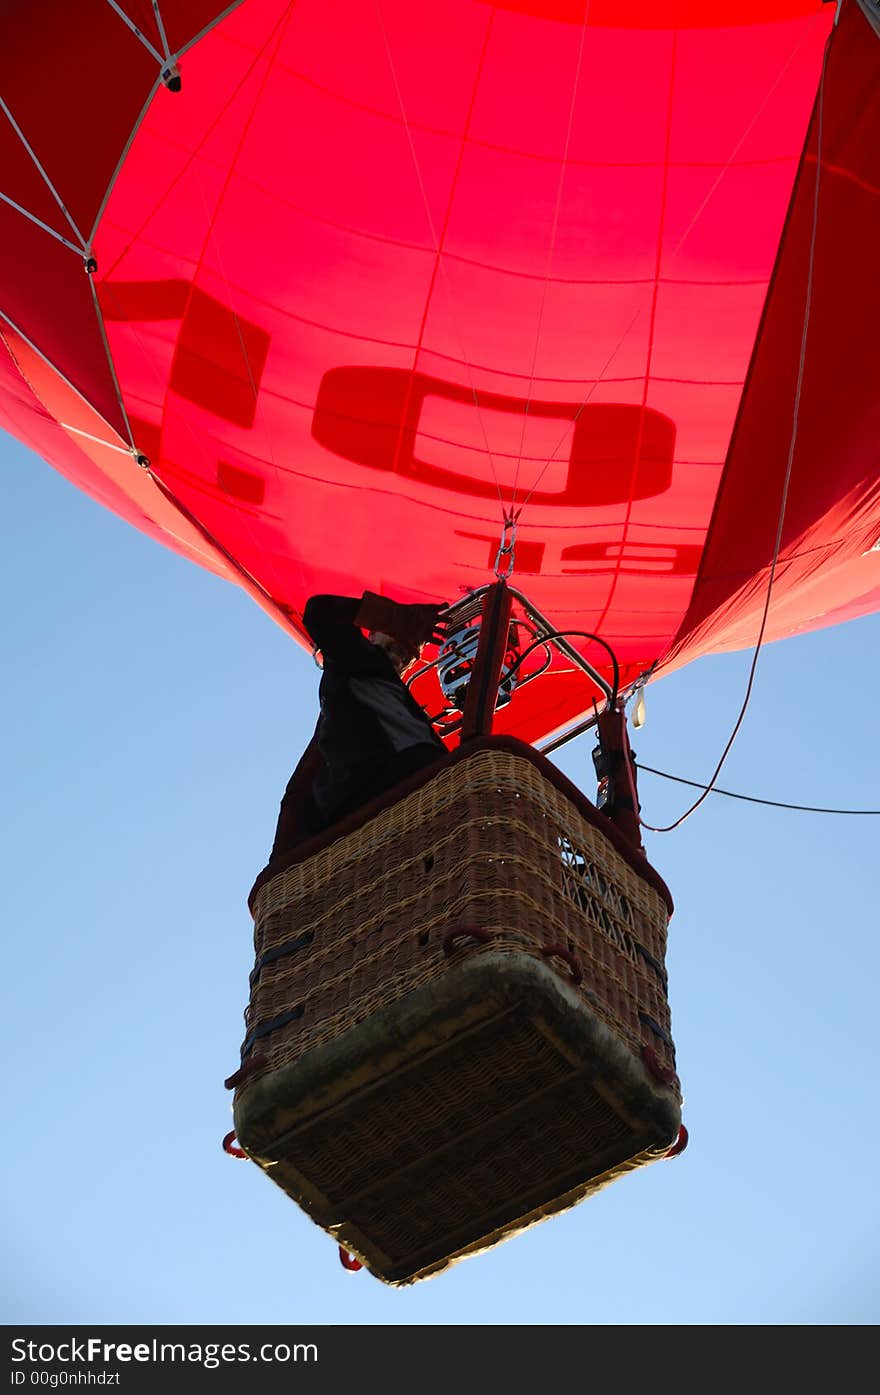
x=421, y=1074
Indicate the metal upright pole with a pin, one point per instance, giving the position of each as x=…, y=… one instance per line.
x=619, y=799
x=482, y=693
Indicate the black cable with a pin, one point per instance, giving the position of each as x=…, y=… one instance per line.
x=536, y=673
x=751, y=798
x=574, y=634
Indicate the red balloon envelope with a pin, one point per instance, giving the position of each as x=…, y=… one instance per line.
x=379, y=273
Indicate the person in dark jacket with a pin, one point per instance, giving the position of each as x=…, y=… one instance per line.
x=371, y=733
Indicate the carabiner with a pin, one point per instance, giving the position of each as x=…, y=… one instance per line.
x=507, y=548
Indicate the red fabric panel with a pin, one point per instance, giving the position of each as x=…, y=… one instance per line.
x=24, y=185
x=602, y=311
x=141, y=13
x=51, y=303
x=378, y=271
x=184, y=20
x=661, y=14
x=75, y=79
x=832, y=518
x=23, y=416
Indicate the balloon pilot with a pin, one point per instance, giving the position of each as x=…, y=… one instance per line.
x=371, y=732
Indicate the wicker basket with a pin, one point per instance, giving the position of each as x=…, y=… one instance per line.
x=458, y=1020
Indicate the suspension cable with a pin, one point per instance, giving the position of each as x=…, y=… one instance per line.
x=808, y=304
x=751, y=798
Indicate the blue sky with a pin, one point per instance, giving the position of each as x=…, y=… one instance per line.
x=151, y=716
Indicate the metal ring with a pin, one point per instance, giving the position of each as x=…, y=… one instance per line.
x=509, y=553
x=506, y=548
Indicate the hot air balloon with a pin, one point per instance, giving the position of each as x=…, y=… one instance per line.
x=568, y=298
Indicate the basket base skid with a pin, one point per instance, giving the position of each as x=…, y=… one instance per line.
x=445, y=1122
